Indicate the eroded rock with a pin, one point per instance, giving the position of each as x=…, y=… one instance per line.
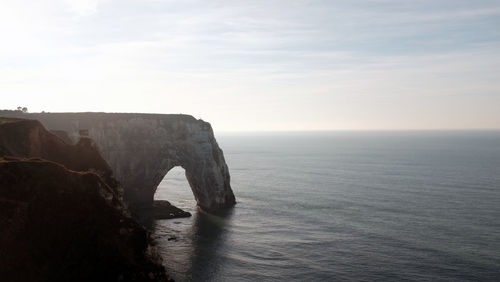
x=57, y=226
x=61, y=216
x=142, y=148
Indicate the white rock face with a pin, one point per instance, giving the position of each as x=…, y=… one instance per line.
x=142, y=148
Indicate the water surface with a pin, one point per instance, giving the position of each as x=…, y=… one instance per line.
x=337, y=206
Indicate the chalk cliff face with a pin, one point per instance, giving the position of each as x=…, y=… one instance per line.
x=142, y=148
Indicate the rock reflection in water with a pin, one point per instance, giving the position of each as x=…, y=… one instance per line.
x=190, y=246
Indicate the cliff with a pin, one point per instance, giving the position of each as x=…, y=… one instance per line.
x=29, y=139
x=62, y=225
x=61, y=215
x=142, y=148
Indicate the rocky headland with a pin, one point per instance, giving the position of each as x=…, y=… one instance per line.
x=74, y=187
x=142, y=148
x=62, y=216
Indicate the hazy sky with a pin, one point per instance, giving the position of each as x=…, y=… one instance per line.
x=258, y=65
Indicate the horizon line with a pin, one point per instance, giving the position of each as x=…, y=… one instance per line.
x=354, y=130
x=276, y=130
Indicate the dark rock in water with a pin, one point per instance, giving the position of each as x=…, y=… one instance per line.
x=159, y=210
x=165, y=210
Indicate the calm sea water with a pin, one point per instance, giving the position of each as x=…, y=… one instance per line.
x=344, y=206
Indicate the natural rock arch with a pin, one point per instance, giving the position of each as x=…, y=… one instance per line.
x=174, y=187
x=142, y=148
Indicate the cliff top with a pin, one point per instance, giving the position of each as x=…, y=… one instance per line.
x=98, y=115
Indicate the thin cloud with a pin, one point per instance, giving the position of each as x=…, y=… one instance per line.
x=343, y=64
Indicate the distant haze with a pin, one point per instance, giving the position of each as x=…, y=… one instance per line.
x=259, y=65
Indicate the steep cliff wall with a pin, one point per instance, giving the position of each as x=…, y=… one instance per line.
x=61, y=216
x=62, y=225
x=142, y=148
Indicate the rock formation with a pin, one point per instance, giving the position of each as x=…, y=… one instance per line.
x=142, y=148
x=62, y=221
x=29, y=139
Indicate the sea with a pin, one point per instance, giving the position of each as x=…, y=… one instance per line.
x=343, y=206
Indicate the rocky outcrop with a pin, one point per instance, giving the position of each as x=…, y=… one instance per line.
x=160, y=209
x=29, y=139
x=62, y=225
x=63, y=135
x=142, y=148
x=61, y=216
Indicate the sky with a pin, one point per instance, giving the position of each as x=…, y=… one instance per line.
x=259, y=65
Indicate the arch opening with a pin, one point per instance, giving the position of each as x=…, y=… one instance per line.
x=175, y=188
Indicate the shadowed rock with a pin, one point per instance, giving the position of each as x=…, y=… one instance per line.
x=29, y=139
x=62, y=225
x=61, y=216
x=63, y=135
